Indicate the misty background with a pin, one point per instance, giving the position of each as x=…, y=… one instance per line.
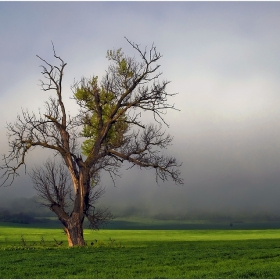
x=221, y=57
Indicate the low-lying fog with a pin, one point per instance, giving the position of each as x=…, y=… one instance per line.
x=221, y=57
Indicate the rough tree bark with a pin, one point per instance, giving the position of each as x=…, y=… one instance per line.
x=108, y=126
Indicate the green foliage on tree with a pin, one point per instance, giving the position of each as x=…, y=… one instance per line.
x=92, y=122
x=86, y=93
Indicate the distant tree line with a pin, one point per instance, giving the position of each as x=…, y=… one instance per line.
x=216, y=217
x=20, y=218
x=28, y=210
x=29, y=205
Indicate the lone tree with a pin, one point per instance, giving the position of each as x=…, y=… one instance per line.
x=106, y=132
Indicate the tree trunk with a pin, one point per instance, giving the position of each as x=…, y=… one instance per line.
x=74, y=230
x=73, y=223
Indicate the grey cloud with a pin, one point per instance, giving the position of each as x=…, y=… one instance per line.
x=222, y=58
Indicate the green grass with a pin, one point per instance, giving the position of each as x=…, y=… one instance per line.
x=135, y=222
x=140, y=254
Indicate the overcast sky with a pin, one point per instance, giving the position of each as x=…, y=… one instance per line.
x=223, y=59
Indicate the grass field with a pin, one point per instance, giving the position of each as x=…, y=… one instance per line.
x=148, y=223
x=32, y=253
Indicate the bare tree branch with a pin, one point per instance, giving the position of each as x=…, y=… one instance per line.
x=108, y=130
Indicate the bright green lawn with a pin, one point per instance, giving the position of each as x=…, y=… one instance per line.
x=141, y=254
x=12, y=233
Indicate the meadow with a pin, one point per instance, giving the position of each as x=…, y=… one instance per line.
x=29, y=252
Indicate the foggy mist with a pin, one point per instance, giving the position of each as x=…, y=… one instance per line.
x=222, y=58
